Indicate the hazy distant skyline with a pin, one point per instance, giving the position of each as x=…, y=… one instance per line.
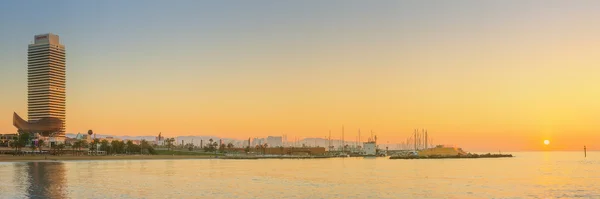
x=477, y=74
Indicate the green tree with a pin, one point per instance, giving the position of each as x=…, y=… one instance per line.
x=54, y=148
x=143, y=146
x=264, y=147
x=211, y=146
x=222, y=148
x=147, y=147
x=189, y=146
x=33, y=147
x=82, y=144
x=60, y=147
x=117, y=146
x=14, y=144
x=104, y=146
x=20, y=141
x=41, y=145
x=76, y=145
x=169, y=142
x=130, y=146
x=93, y=146
x=69, y=145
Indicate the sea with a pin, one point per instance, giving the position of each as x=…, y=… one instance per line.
x=527, y=175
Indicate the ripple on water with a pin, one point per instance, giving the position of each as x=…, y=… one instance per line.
x=533, y=176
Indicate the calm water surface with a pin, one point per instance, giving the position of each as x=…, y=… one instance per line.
x=529, y=175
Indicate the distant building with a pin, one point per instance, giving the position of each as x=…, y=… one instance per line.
x=258, y=141
x=110, y=139
x=80, y=136
x=275, y=141
x=159, y=140
x=70, y=140
x=370, y=148
x=46, y=82
x=137, y=142
x=46, y=91
x=6, y=138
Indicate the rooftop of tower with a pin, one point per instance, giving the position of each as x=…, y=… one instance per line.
x=47, y=38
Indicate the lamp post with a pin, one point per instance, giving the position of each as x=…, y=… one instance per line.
x=90, y=133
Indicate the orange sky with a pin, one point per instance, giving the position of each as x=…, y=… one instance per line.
x=475, y=75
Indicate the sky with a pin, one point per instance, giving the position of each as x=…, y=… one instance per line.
x=482, y=75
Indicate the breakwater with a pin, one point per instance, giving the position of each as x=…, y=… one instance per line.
x=272, y=157
x=468, y=156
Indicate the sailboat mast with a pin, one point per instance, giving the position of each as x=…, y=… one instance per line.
x=343, y=141
x=426, y=146
x=415, y=139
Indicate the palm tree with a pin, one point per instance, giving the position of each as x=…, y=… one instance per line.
x=40, y=145
x=214, y=146
x=76, y=145
x=130, y=146
x=32, y=148
x=209, y=147
x=170, y=143
x=93, y=145
x=116, y=146
x=104, y=146
x=60, y=147
x=14, y=144
x=53, y=147
x=222, y=148
x=83, y=144
x=264, y=146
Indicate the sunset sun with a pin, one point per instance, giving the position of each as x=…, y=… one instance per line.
x=546, y=142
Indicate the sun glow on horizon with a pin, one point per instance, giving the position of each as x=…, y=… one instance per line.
x=546, y=142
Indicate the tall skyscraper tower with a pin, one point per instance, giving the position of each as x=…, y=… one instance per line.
x=46, y=80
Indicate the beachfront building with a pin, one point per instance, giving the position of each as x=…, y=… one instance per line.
x=46, y=90
x=43, y=128
x=6, y=138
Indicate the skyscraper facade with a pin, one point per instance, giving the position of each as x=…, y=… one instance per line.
x=46, y=81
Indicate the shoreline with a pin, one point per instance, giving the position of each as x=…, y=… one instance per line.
x=50, y=158
x=38, y=158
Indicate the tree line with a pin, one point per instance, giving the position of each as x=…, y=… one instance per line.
x=24, y=139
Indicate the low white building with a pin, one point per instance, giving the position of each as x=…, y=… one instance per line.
x=370, y=148
x=275, y=141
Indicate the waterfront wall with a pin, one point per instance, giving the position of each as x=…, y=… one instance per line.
x=284, y=150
